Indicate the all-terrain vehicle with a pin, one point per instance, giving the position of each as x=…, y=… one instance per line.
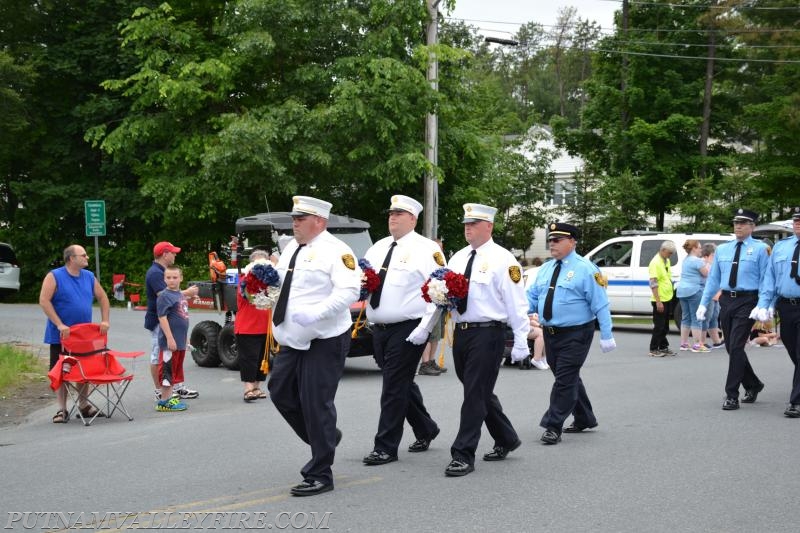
x=214, y=343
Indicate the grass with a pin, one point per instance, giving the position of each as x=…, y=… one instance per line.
x=18, y=367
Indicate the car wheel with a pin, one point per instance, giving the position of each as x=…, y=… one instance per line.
x=204, y=343
x=228, y=354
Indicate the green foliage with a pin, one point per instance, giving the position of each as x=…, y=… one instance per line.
x=18, y=367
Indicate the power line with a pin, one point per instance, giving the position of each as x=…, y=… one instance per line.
x=709, y=6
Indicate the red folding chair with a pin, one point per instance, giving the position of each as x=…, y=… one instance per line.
x=87, y=367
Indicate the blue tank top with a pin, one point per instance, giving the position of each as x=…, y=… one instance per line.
x=72, y=301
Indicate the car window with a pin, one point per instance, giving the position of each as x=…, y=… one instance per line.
x=7, y=254
x=615, y=254
x=649, y=250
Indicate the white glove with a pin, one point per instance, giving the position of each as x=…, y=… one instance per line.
x=770, y=313
x=762, y=315
x=305, y=318
x=606, y=345
x=754, y=313
x=701, y=312
x=519, y=353
x=418, y=336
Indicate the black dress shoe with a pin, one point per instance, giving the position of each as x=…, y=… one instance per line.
x=730, y=404
x=499, y=452
x=377, y=457
x=338, y=436
x=458, y=468
x=420, y=445
x=310, y=488
x=750, y=395
x=793, y=411
x=550, y=437
x=577, y=428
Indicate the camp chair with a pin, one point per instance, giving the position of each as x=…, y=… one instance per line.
x=86, y=360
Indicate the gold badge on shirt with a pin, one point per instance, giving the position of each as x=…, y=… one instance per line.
x=349, y=261
x=439, y=258
x=601, y=279
x=515, y=273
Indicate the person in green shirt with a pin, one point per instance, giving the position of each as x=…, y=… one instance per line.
x=662, y=299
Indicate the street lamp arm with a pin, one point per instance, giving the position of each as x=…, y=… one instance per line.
x=498, y=40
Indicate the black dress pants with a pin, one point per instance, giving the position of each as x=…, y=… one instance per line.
x=401, y=398
x=736, y=324
x=302, y=386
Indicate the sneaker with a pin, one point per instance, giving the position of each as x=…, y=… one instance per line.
x=700, y=348
x=441, y=369
x=173, y=404
x=667, y=351
x=541, y=364
x=718, y=345
x=684, y=347
x=186, y=394
x=427, y=369
x=657, y=353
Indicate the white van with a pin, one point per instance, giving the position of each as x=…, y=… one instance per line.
x=624, y=261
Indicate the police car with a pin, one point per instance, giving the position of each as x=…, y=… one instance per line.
x=624, y=261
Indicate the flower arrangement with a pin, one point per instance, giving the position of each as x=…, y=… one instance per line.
x=445, y=288
x=369, y=280
x=260, y=285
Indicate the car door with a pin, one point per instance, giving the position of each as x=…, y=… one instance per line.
x=614, y=260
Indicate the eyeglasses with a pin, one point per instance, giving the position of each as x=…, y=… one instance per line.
x=80, y=255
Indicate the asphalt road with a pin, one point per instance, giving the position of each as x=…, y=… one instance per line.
x=664, y=458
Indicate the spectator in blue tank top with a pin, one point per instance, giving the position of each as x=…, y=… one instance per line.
x=690, y=290
x=66, y=298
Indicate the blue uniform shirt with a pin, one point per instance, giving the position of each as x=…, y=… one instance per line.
x=753, y=263
x=579, y=296
x=776, y=282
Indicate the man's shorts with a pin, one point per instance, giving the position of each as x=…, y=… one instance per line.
x=154, y=345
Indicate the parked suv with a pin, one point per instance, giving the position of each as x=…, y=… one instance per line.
x=624, y=261
x=9, y=270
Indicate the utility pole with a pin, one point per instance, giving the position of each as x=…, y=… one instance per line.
x=431, y=203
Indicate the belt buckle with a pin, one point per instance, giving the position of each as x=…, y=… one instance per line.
x=551, y=330
x=463, y=325
x=732, y=294
x=793, y=301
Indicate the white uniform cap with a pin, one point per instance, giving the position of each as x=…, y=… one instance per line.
x=476, y=212
x=306, y=205
x=405, y=203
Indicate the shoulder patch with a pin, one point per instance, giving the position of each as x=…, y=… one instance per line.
x=439, y=258
x=349, y=261
x=601, y=279
x=515, y=273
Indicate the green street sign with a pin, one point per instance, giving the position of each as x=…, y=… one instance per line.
x=95, y=212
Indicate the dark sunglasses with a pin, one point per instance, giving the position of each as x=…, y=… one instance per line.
x=556, y=239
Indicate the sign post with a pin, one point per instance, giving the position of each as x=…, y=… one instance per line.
x=95, y=213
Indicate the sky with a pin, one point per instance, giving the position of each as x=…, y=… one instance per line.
x=501, y=18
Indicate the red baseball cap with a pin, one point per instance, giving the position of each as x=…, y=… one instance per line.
x=164, y=247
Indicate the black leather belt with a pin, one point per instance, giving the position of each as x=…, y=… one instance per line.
x=739, y=294
x=789, y=301
x=394, y=324
x=553, y=330
x=470, y=325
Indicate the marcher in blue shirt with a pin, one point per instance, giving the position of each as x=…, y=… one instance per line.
x=737, y=269
x=781, y=287
x=567, y=296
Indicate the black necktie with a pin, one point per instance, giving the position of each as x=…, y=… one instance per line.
x=735, y=266
x=795, y=257
x=375, y=299
x=462, y=305
x=548, y=301
x=279, y=313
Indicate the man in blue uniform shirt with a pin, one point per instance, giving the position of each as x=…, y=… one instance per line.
x=737, y=269
x=781, y=286
x=568, y=294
